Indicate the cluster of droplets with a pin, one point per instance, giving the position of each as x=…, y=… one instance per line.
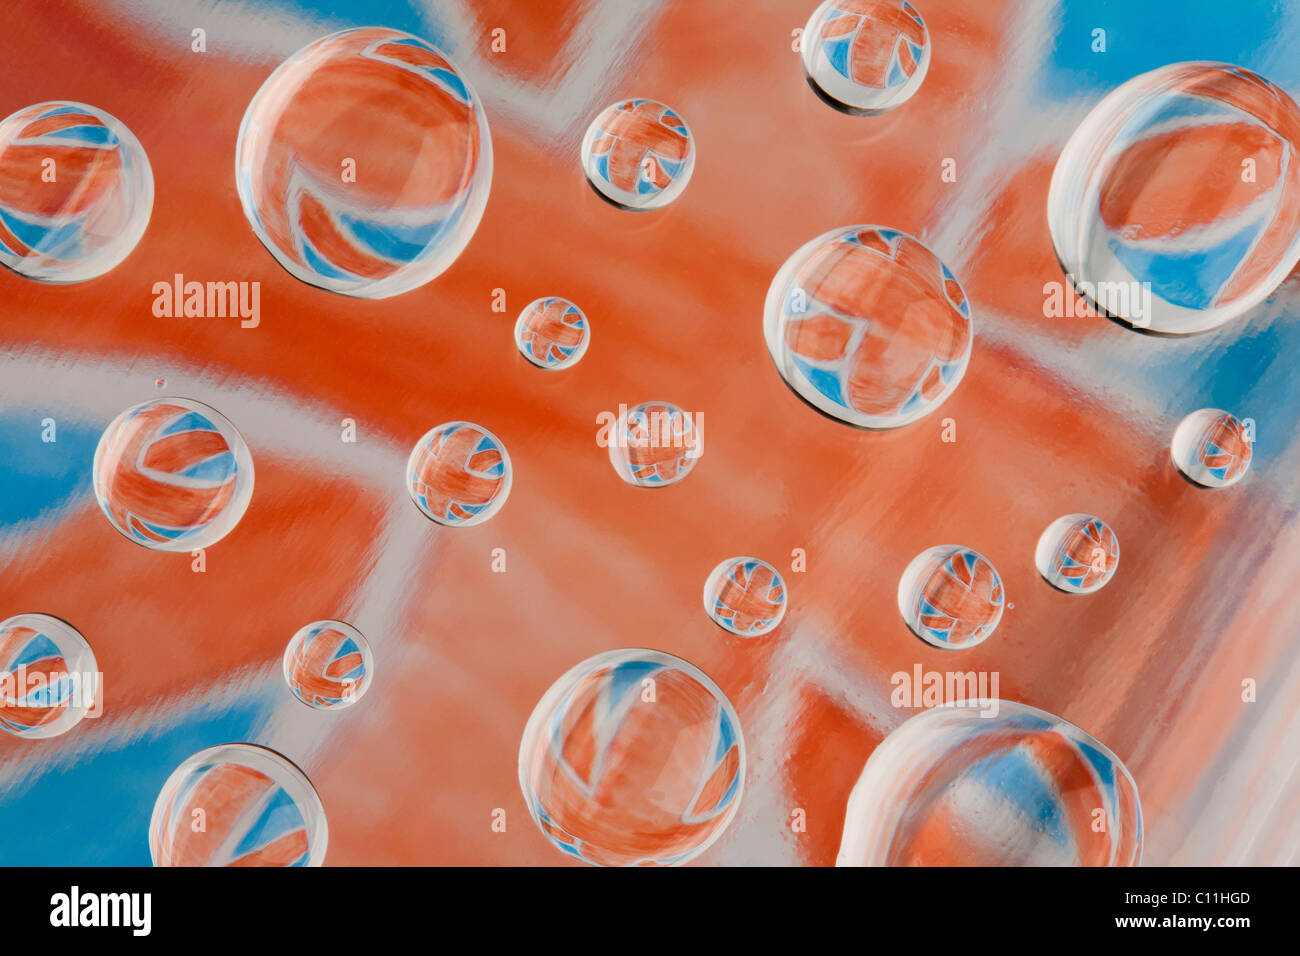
x=635, y=756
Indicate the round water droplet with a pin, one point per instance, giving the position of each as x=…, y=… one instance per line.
x=459, y=474
x=973, y=786
x=76, y=192
x=951, y=597
x=867, y=56
x=654, y=444
x=633, y=758
x=160, y=383
x=364, y=163
x=49, y=679
x=1077, y=553
x=173, y=474
x=868, y=326
x=1175, y=206
x=552, y=333
x=745, y=596
x=254, y=806
x=638, y=154
x=1213, y=448
x=328, y=665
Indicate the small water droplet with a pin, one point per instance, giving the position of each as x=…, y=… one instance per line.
x=951, y=597
x=638, y=154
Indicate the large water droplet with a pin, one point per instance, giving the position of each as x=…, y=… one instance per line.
x=364, y=163
x=745, y=596
x=1213, y=448
x=654, y=444
x=868, y=326
x=633, y=757
x=552, y=333
x=49, y=679
x=76, y=192
x=238, y=805
x=970, y=786
x=1175, y=206
x=951, y=597
x=866, y=56
x=459, y=474
x=1077, y=553
x=328, y=665
x=638, y=154
x=173, y=474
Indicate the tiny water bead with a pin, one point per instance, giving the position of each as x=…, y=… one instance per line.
x=868, y=326
x=328, y=665
x=256, y=809
x=49, y=679
x=173, y=474
x=1175, y=206
x=633, y=758
x=552, y=333
x=951, y=597
x=76, y=192
x=745, y=596
x=867, y=55
x=992, y=783
x=364, y=163
x=1213, y=448
x=1077, y=553
x=459, y=474
x=654, y=444
x=638, y=154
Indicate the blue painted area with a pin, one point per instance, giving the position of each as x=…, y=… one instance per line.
x=96, y=813
x=1141, y=36
x=42, y=480
x=414, y=18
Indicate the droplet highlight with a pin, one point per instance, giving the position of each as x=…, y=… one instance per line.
x=328, y=665
x=992, y=783
x=49, y=680
x=1077, y=553
x=866, y=325
x=746, y=596
x=459, y=474
x=866, y=56
x=364, y=163
x=951, y=597
x=1213, y=448
x=633, y=758
x=76, y=192
x=1175, y=206
x=173, y=475
x=638, y=154
x=552, y=333
x=238, y=805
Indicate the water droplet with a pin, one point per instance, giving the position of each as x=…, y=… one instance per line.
x=654, y=444
x=328, y=665
x=76, y=192
x=1077, y=553
x=868, y=326
x=49, y=679
x=459, y=474
x=364, y=163
x=951, y=597
x=745, y=596
x=866, y=56
x=173, y=474
x=638, y=154
x=633, y=757
x=1175, y=206
x=238, y=805
x=965, y=786
x=552, y=333
x=1213, y=448
x=160, y=383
